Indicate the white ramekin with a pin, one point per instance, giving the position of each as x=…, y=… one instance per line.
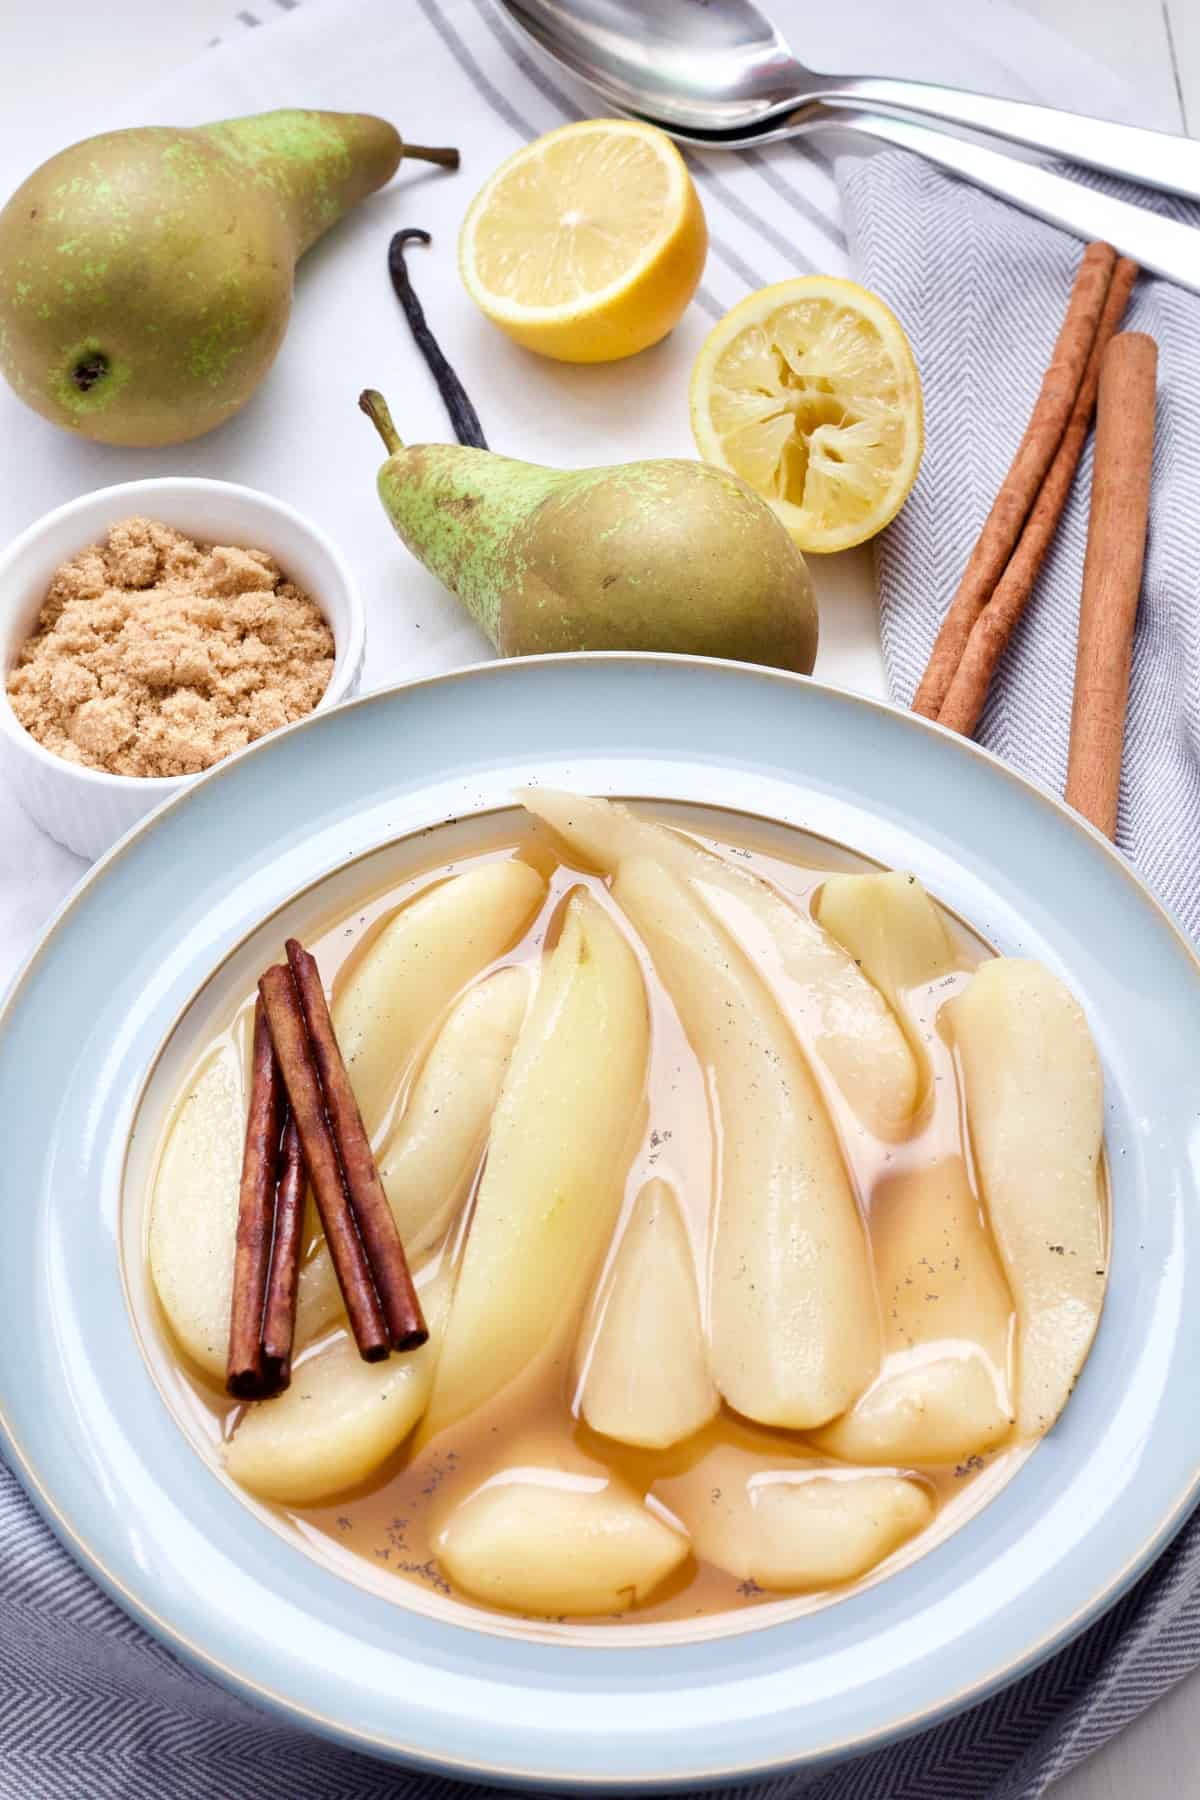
x=87, y=809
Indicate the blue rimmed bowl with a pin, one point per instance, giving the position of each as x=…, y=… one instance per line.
x=105, y=1461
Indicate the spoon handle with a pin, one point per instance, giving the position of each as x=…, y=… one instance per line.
x=1160, y=245
x=1157, y=159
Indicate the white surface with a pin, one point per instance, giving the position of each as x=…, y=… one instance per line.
x=64, y=75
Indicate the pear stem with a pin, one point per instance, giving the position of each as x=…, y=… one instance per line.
x=377, y=410
x=449, y=159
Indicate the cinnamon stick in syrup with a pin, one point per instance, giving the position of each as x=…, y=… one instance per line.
x=279, y=1312
x=289, y=1034
x=245, y=1375
x=385, y=1251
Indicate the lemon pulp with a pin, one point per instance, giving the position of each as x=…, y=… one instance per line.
x=808, y=390
x=588, y=243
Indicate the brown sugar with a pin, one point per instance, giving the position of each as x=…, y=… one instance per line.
x=155, y=655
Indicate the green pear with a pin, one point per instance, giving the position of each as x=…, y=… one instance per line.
x=666, y=555
x=146, y=275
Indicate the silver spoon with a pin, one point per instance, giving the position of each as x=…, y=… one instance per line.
x=721, y=76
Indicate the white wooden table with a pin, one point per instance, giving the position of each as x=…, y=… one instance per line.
x=63, y=53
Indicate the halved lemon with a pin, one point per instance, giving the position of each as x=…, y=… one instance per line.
x=587, y=244
x=808, y=390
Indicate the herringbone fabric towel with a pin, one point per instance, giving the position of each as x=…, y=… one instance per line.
x=981, y=291
x=89, y=1704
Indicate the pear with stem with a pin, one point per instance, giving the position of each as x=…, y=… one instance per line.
x=146, y=275
x=663, y=555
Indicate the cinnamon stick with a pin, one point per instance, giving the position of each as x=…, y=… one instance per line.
x=992, y=630
x=289, y=1034
x=245, y=1375
x=389, y=1265
x=1011, y=507
x=1112, y=575
x=279, y=1312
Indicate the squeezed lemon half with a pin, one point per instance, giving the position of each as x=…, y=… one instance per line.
x=587, y=244
x=808, y=390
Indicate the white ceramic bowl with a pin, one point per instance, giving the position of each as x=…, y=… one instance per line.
x=87, y=809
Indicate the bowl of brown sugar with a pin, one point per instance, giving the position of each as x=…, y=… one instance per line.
x=152, y=629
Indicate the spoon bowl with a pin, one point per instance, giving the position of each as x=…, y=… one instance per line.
x=724, y=77
x=703, y=68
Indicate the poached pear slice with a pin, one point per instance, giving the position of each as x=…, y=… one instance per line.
x=841, y=1017
x=794, y=1326
x=562, y=1139
x=415, y=966
x=194, y=1210
x=338, y=1421
x=898, y=938
x=1035, y=1109
x=792, y=1525
x=551, y=1541
x=942, y=1394
x=646, y=1379
x=430, y=1161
